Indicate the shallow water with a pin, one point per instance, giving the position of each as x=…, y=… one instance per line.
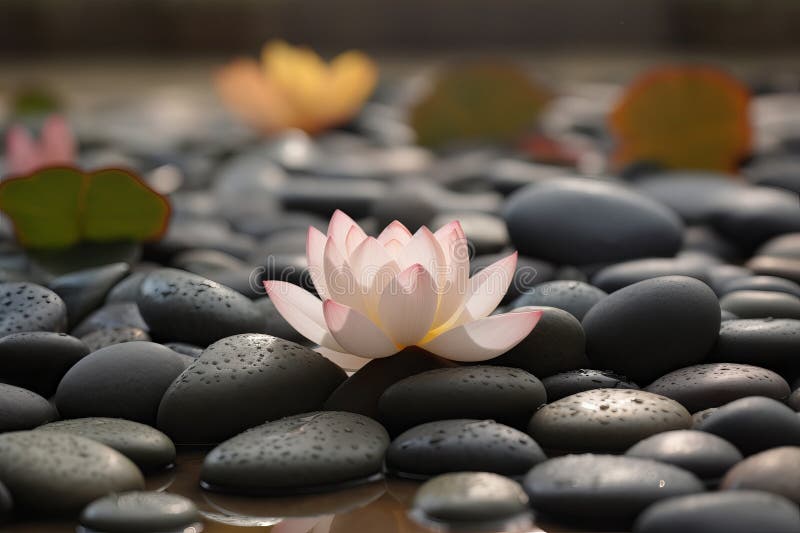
x=379, y=507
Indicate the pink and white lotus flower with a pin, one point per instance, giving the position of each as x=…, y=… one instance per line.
x=56, y=147
x=381, y=295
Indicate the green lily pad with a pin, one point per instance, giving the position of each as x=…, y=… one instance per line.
x=486, y=102
x=57, y=207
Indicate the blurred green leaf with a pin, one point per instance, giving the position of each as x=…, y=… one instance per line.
x=492, y=102
x=58, y=207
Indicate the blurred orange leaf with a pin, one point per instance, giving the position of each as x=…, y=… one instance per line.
x=292, y=87
x=683, y=117
x=478, y=102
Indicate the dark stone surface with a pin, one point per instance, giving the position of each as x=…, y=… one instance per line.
x=761, y=304
x=567, y=383
x=26, y=306
x=37, y=360
x=575, y=297
x=462, y=445
x=23, y=409
x=652, y=327
x=762, y=342
x=699, y=387
x=242, y=381
x=309, y=451
x=137, y=511
x=85, y=290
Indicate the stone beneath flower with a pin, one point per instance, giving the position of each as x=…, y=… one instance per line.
x=381, y=295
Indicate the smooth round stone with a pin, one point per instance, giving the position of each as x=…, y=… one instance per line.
x=29, y=307
x=782, y=267
x=120, y=381
x=696, y=196
x=778, y=172
x=583, y=221
x=361, y=392
x=100, y=338
x=197, y=233
x=23, y=409
x=144, y=445
x=462, y=445
x=306, y=452
x=557, y=344
x=762, y=283
x=133, y=512
x=703, y=454
x=761, y=304
x=37, y=360
x=776, y=471
x=470, y=497
x=115, y=315
x=567, y=383
x=754, y=424
x=127, y=289
x=529, y=272
x=771, y=343
x=508, y=395
x=699, y=387
x=605, y=420
x=725, y=512
x=652, y=327
x=617, y=276
x=242, y=381
x=274, y=324
x=721, y=275
x=85, y=290
x=180, y=306
x=785, y=246
x=50, y=473
x=575, y=297
x=604, y=487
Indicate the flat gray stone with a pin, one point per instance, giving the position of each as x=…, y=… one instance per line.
x=699, y=387
x=765, y=342
x=776, y=470
x=605, y=420
x=100, y=338
x=726, y=511
x=569, y=383
x=37, y=360
x=462, y=445
x=49, y=472
x=705, y=455
x=508, y=395
x=470, y=497
x=23, y=409
x=137, y=511
x=574, y=297
x=306, y=452
x=144, y=445
x=604, y=488
x=85, y=290
x=761, y=304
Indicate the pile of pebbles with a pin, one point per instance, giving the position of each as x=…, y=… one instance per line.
x=659, y=391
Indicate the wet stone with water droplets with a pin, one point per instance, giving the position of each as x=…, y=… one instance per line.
x=242, y=381
x=49, y=472
x=29, y=307
x=574, y=297
x=180, y=306
x=462, y=445
x=137, y=511
x=144, y=445
x=308, y=452
x=100, y=338
x=508, y=395
x=699, y=387
x=605, y=420
x=568, y=383
x=604, y=488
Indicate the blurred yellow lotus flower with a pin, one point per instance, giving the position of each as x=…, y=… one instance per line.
x=293, y=87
